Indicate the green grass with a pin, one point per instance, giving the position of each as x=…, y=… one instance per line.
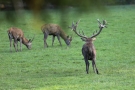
x=62, y=68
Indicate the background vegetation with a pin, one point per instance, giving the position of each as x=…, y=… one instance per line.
x=62, y=68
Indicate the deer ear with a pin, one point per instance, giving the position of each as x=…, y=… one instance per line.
x=93, y=39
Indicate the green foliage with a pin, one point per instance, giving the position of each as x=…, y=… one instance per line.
x=36, y=7
x=62, y=68
x=124, y=2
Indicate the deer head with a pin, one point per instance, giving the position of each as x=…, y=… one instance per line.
x=28, y=45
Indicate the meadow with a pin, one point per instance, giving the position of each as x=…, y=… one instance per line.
x=63, y=68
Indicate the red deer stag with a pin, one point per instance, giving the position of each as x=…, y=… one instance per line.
x=54, y=30
x=88, y=49
x=17, y=35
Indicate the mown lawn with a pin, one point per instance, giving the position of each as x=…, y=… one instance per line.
x=62, y=68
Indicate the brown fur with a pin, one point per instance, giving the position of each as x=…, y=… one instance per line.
x=89, y=53
x=54, y=30
x=18, y=35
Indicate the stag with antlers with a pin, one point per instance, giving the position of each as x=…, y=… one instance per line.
x=17, y=35
x=88, y=49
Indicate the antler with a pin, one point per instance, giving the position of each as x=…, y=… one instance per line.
x=101, y=26
x=74, y=27
x=33, y=38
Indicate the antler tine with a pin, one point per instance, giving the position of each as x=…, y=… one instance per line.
x=33, y=38
x=94, y=32
x=101, y=26
x=82, y=32
x=78, y=21
x=78, y=33
x=72, y=26
x=83, y=36
x=104, y=23
x=98, y=21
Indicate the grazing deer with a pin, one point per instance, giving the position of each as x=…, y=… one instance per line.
x=88, y=49
x=17, y=35
x=54, y=30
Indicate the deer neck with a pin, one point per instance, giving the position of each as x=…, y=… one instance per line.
x=25, y=41
x=90, y=45
x=63, y=35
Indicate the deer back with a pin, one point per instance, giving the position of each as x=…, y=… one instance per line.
x=15, y=33
x=88, y=49
x=51, y=29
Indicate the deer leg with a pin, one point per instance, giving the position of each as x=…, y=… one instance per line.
x=10, y=44
x=87, y=63
x=94, y=65
x=85, y=55
x=53, y=39
x=10, y=39
x=45, y=37
x=59, y=39
x=15, y=45
x=87, y=66
x=45, y=44
x=20, y=44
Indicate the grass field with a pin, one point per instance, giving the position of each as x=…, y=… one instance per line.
x=62, y=68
